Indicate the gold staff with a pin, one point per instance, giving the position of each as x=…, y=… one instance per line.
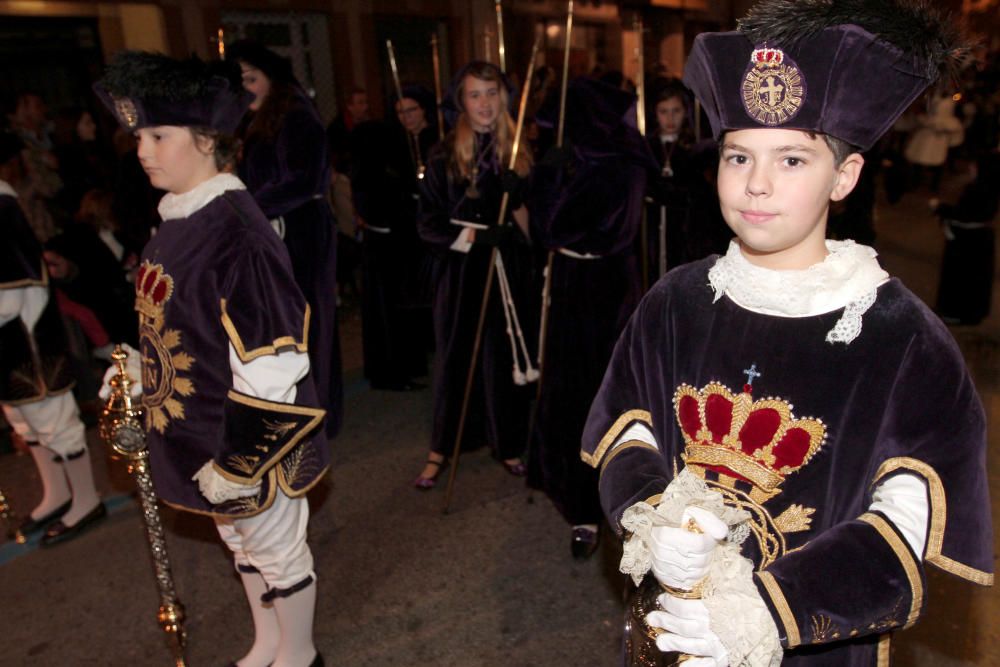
x=121, y=427
x=414, y=142
x=501, y=51
x=640, y=122
x=543, y=328
x=501, y=220
x=437, y=85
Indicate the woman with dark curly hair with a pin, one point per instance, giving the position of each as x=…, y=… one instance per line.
x=286, y=169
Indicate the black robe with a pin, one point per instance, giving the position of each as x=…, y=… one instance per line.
x=395, y=263
x=498, y=409
x=288, y=177
x=33, y=365
x=683, y=222
x=587, y=211
x=824, y=424
x=216, y=278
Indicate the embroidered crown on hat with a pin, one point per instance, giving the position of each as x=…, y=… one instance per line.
x=152, y=289
x=846, y=68
x=759, y=442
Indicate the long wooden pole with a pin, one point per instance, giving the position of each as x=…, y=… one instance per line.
x=501, y=48
x=543, y=329
x=640, y=122
x=487, y=289
x=414, y=142
x=436, y=57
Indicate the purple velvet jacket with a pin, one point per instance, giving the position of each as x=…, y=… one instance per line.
x=803, y=449
x=218, y=277
x=33, y=364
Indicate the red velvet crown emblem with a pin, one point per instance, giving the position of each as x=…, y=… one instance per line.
x=765, y=57
x=152, y=289
x=760, y=442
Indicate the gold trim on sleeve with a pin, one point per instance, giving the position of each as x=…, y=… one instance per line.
x=630, y=444
x=275, y=346
x=938, y=518
x=316, y=415
x=884, y=650
x=30, y=282
x=612, y=434
x=781, y=604
x=905, y=556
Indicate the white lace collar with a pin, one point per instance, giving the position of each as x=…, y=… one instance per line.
x=7, y=189
x=174, y=206
x=847, y=278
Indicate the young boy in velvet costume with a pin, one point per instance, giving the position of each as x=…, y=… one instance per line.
x=233, y=419
x=786, y=435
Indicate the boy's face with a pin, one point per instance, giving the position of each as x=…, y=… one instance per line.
x=173, y=159
x=775, y=189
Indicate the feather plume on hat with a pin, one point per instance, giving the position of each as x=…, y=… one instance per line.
x=913, y=26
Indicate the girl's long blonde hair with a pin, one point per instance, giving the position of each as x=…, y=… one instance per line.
x=463, y=149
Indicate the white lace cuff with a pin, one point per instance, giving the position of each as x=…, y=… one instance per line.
x=685, y=490
x=737, y=614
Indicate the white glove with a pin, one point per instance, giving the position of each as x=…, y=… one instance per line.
x=133, y=366
x=688, y=631
x=217, y=489
x=680, y=558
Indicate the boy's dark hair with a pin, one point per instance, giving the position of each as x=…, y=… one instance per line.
x=226, y=146
x=840, y=148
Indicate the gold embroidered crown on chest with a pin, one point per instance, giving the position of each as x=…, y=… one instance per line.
x=152, y=289
x=760, y=442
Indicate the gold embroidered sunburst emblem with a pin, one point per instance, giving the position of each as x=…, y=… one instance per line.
x=163, y=358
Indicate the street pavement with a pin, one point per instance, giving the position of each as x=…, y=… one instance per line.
x=401, y=583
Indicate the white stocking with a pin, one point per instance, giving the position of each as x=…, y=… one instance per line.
x=55, y=489
x=81, y=480
x=265, y=623
x=295, y=617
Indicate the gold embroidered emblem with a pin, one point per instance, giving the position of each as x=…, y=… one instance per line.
x=162, y=360
x=745, y=449
x=773, y=87
x=126, y=112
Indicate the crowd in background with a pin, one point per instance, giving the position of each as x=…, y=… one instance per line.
x=90, y=204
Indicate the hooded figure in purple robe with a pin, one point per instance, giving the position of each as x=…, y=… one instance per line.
x=286, y=168
x=585, y=204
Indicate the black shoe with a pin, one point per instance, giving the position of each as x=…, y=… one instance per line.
x=60, y=532
x=29, y=526
x=317, y=661
x=584, y=543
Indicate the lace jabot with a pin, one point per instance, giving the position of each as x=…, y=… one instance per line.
x=848, y=278
x=173, y=206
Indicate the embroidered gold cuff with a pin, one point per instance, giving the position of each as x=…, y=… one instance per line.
x=938, y=518
x=259, y=433
x=781, y=605
x=906, y=559
x=631, y=444
x=623, y=422
x=301, y=345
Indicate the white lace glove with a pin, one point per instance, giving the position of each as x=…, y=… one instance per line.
x=680, y=557
x=217, y=489
x=133, y=366
x=688, y=631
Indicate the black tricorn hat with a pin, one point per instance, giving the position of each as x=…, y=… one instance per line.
x=846, y=68
x=149, y=89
